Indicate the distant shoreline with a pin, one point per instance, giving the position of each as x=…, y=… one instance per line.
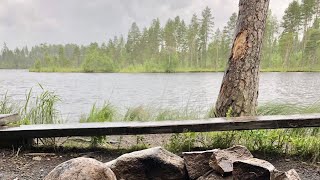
x=78, y=70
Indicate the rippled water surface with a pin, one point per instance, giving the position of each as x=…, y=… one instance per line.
x=79, y=91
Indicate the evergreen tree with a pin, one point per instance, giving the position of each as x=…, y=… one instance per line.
x=292, y=18
x=205, y=32
x=133, y=41
x=193, y=41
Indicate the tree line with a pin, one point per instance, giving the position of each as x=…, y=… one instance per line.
x=290, y=44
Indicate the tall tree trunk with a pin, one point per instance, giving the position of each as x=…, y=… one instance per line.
x=239, y=89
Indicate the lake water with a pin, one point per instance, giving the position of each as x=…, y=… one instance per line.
x=79, y=91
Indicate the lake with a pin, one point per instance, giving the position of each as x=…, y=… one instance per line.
x=198, y=91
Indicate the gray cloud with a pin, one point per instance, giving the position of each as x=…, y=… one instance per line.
x=30, y=22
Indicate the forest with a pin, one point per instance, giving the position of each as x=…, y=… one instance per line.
x=289, y=44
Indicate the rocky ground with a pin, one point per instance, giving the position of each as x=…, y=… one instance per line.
x=37, y=163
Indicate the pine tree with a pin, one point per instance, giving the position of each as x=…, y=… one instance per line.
x=292, y=17
x=205, y=32
x=269, y=40
x=133, y=41
x=230, y=29
x=193, y=41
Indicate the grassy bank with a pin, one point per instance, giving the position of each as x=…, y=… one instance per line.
x=304, y=142
x=56, y=69
x=133, y=69
x=143, y=69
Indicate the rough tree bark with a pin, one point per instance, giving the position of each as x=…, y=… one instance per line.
x=239, y=89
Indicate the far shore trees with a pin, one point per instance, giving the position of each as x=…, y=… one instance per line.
x=290, y=43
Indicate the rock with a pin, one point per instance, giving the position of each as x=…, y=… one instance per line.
x=37, y=158
x=212, y=175
x=197, y=163
x=222, y=160
x=252, y=169
x=289, y=175
x=154, y=163
x=81, y=169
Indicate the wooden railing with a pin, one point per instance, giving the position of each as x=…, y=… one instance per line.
x=157, y=127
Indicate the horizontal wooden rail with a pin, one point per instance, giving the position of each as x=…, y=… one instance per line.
x=160, y=127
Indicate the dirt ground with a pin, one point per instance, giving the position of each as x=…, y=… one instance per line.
x=37, y=163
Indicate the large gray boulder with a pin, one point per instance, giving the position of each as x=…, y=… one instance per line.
x=197, y=163
x=222, y=160
x=154, y=163
x=81, y=169
x=252, y=169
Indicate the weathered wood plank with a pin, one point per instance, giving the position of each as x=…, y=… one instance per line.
x=159, y=127
x=8, y=118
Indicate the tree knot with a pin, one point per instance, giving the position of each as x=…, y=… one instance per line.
x=240, y=45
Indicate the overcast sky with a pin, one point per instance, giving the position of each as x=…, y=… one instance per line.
x=30, y=22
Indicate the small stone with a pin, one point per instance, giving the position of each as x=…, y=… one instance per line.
x=37, y=158
x=287, y=160
x=293, y=175
x=289, y=175
x=222, y=160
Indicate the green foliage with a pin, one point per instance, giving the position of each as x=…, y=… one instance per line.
x=6, y=107
x=96, y=61
x=137, y=114
x=39, y=109
x=140, y=144
x=106, y=113
x=171, y=63
x=177, y=46
x=42, y=110
x=182, y=142
x=37, y=65
x=302, y=142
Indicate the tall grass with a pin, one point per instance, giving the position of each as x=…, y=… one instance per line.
x=105, y=113
x=301, y=142
x=36, y=109
x=6, y=106
x=42, y=110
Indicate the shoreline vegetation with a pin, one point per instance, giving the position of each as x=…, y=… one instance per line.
x=291, y=44
x=302, y=142
x=143, y=70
